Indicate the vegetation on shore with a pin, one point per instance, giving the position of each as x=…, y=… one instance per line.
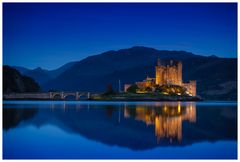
x=147, y=97
x=163, y=93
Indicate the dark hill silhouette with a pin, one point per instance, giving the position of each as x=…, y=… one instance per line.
x=216, y=77
x=13, y=81
x=42, y=75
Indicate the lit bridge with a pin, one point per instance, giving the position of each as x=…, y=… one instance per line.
x=47, y=95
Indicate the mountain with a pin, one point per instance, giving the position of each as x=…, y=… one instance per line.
x=42, y=75
x=13, y=81
x=216, y=77
x=22, y=70
x=58, y=71
x=112, y=61
x=39, y=74
x=85, y=74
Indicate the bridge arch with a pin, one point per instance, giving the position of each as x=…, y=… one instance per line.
x=65, y=95
x=57, y=96
x=69, y=97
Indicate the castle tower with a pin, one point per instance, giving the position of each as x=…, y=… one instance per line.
x=179, y=72
x=172, y=73
x=169, y=74
x=159, y=73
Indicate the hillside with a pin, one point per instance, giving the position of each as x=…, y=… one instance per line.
x=42, y=75
x=13, y=81
x=216, y=77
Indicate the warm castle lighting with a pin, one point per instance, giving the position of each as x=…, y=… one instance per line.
x=167, y=118
x=166, y=74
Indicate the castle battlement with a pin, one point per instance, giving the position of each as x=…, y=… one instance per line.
x=167, y=73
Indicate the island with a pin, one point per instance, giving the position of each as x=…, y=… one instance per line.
x=166, y=86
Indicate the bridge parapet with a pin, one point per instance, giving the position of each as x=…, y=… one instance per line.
x=45, y=95
x=63, y=95
x=26, y=96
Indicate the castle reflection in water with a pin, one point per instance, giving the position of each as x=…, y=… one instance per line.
x=166, y=117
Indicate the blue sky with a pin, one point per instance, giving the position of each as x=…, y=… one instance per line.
x=51, y=34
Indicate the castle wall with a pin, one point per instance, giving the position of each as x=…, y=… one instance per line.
x=160, y=75
x=179, y=73
x=170, y=74
x=191, y=87
x=172, y=77
x=142, y=84
x=149, y=82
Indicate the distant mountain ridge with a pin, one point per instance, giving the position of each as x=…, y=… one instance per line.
x=43, y=75
x=216, y=77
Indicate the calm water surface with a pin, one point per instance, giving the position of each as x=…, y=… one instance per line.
x=119, y=130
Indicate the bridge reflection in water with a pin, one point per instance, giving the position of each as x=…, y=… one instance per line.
x=167, y=118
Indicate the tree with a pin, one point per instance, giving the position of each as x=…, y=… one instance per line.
x=132, y=89
x=172, y=89
x=30, y=84
x=148, y=89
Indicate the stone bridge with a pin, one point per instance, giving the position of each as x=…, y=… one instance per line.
x=63, y=95
x=46, y=95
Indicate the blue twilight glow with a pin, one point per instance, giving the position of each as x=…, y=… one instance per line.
x=51, y=34
x=77, y=146
x=124, y=130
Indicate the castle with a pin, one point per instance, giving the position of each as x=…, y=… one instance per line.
x=167, y=74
